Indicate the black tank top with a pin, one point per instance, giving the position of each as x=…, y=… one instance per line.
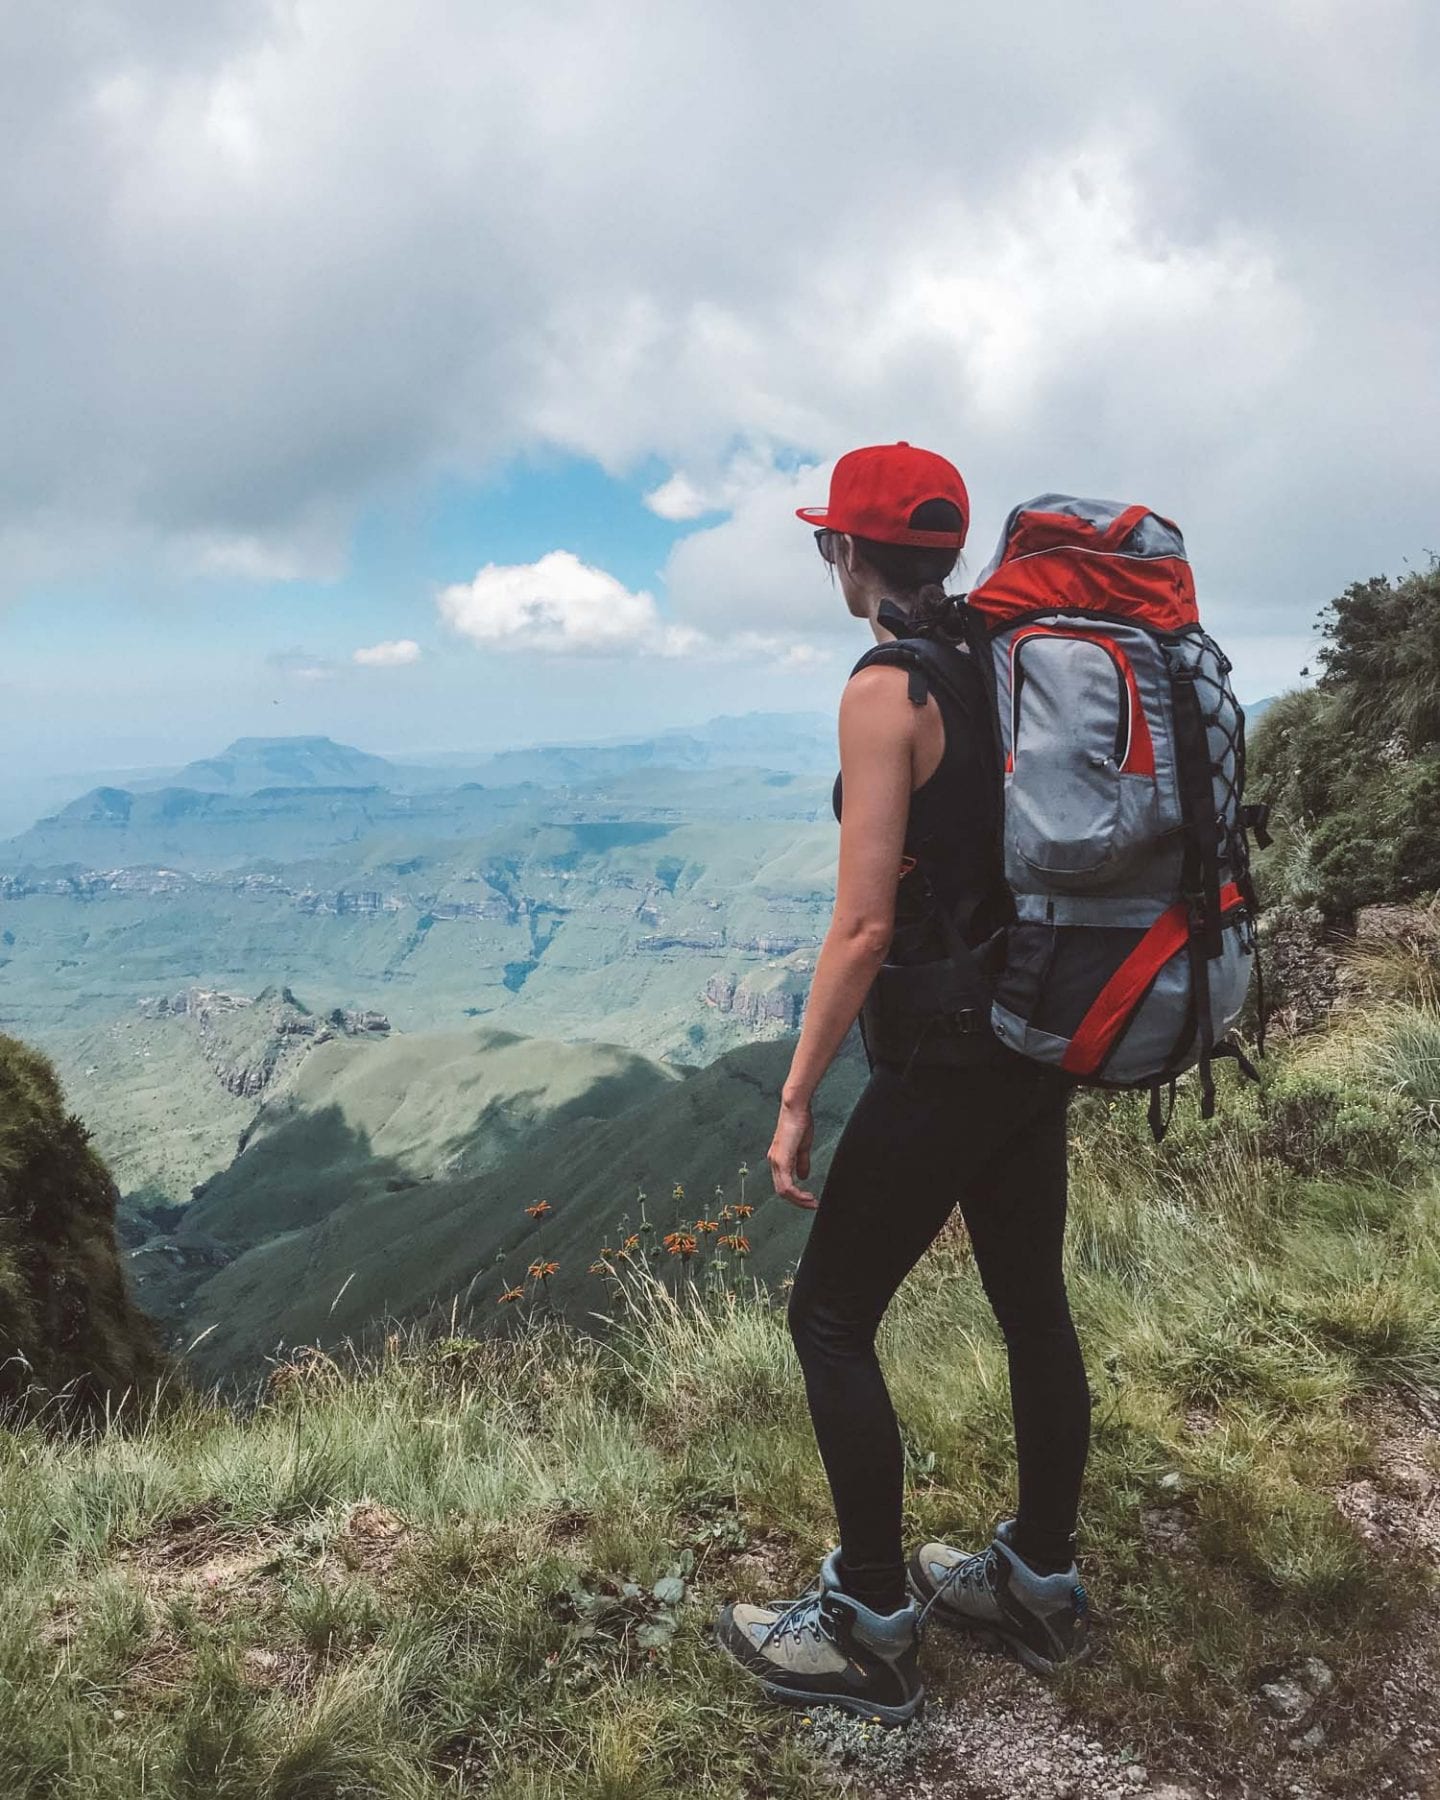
x=953, y=826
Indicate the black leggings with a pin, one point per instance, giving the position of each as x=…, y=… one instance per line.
x=993, y=1140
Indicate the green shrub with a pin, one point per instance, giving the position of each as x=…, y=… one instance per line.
x=1316, y=1123
x=1351, y=767
x=68, y=1331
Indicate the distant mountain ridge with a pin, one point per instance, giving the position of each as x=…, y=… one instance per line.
x=795, y=744
x=799, y=742
x=253, y=763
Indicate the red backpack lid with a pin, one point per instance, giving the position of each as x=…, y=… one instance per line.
x=1097, y=556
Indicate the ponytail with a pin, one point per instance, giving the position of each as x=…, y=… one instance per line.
x=939, y=613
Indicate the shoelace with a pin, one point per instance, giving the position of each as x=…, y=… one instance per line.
x=802, y=1615
x=969, y=1571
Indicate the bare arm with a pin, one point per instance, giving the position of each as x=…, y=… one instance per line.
x=877, y=747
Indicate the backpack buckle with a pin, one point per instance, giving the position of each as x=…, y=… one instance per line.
x=964, y=1021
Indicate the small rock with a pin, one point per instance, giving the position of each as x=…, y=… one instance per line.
x=1310, y=1741
x=1173, y=1482
x=1314, y=1676
x=1285, y=1698
x=1172, y=1790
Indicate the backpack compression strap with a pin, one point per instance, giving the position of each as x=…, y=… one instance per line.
x=1200, y=874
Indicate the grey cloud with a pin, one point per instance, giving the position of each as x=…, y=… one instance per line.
x=266, y=263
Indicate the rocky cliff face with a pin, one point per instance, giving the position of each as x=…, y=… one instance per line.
x=1310, y=968
x=250, y=1042
x=758, y=1002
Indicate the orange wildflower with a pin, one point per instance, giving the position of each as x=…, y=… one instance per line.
x=542, y=1271
x=633, y=1241
x=743, y=1209
x=707, y=1225
x=539, y=1209
x=740, y=1245
x=680, y=1243
x=511, y=1293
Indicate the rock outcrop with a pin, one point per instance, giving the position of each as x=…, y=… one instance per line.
x=759, y=1002
x=247, y=1042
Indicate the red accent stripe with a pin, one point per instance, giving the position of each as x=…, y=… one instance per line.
x=1140, y=758
x=1119, y=529
x=1111, y=1009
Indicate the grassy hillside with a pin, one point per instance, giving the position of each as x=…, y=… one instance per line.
x=395, y=1177
x=66, y=1320
x=489, y=1567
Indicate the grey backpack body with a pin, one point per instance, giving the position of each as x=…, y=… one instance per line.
x=1121, y=757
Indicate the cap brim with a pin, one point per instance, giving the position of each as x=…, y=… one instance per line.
x=813, y=515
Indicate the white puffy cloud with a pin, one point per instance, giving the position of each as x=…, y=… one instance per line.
x=555, y=604
x=560, y=606
x=679, y=499
x=272, y=261
x=394, y=653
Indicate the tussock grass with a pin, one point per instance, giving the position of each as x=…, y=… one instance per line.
x=432, y=1571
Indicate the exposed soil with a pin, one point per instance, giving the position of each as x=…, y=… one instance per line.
x=993, y=1731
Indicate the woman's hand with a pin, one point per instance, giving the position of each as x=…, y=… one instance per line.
x=789, y=1153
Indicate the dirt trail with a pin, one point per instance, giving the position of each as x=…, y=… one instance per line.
x=995, y=1732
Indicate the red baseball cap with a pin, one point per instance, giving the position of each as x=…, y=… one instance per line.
x=874, y=492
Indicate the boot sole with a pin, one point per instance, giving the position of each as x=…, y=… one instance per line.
x=983, y=1632
x=865, y=1709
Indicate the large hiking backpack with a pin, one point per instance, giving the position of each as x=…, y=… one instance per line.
x=1122, y=760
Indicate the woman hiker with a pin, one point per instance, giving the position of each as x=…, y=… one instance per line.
x=949, y=1116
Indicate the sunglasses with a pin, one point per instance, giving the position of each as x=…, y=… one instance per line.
x=826, y=541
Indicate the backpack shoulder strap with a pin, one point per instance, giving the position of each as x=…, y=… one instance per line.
x=928, y=659
x=936, y=663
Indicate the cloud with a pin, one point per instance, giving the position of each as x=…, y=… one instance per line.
x=679, y=499
x=396, y=653
x=271, y=264
x=691, y=494
x=560, y=606
x=555, y=604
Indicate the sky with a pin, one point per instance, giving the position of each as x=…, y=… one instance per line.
x=444, y=377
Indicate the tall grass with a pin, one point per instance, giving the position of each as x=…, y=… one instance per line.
x=435, y=1571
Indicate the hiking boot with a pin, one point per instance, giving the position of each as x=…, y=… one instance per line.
x=1042, y=1619
x=826, y=1649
